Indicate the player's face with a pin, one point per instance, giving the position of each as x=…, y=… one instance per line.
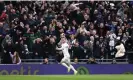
x=63, y=40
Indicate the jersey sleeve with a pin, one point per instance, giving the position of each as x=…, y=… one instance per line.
x=59, y=48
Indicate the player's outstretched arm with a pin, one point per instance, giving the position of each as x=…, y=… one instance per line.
x=59, y=48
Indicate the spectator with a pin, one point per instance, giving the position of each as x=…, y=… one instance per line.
x=78, y=51
x=112, y=38
x=6, y=40
x=38, y=49
x=97, y=49
x=82, y=22
x=8, y=49
x=88, y=49
x=51, y=48
x=15, y=58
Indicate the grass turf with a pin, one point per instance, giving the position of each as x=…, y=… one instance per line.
x=66, y=77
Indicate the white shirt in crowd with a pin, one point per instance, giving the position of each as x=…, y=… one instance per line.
x=14, y=60
x=120, y=50
x=112, y=39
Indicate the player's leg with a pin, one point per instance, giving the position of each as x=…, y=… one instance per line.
x=68, y=64
x=63, y=63
x=71, y=66
x=75, y=71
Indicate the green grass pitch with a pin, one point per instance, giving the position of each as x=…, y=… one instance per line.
x=66, y=77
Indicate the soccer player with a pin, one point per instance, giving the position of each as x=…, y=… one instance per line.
x=66, y=59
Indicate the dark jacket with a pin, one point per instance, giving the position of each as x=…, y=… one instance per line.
x=38, y=48
x=78, y=52
x=6, y=56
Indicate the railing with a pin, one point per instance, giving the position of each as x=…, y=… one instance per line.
x=80, y=61
x=84, y=61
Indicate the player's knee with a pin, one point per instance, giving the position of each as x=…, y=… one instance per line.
x=62, y=62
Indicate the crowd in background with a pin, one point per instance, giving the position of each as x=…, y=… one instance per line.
x=33, y=29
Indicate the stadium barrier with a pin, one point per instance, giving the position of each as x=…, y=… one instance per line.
x=57, y=69
x=80, y=61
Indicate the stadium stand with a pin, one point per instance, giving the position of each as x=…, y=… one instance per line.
x=33, y=29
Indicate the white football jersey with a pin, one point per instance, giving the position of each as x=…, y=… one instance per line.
x=65, y=49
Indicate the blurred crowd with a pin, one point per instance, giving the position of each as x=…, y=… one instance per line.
x=33, y=28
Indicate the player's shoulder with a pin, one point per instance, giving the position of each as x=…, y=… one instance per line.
x=65, y=44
